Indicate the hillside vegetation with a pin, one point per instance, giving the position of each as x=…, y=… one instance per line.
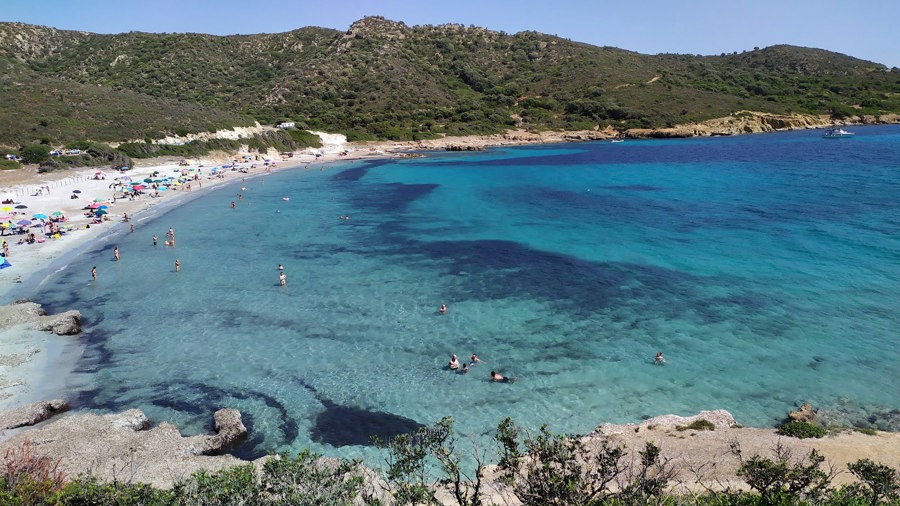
x=383, y=79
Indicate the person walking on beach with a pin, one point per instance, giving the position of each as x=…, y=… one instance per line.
x=177, y=265
x=116, y=253
x=94, y=272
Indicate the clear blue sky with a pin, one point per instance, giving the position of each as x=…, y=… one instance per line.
x=865, y=29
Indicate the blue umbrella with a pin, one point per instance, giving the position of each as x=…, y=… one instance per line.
x=40, y=216
x=24, y=223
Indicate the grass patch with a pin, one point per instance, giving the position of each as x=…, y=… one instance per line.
x=696, y=425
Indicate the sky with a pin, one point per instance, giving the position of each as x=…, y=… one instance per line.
x=869, y=30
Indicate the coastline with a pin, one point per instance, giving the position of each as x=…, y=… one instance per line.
x=59, y=252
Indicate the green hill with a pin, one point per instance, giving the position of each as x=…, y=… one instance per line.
x=382, y=79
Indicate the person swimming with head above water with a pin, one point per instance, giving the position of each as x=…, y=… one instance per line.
x=499, y=378
x=454, y=363
x=475, y=360
x=659, y=359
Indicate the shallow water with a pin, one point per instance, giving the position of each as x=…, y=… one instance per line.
x=766, y=268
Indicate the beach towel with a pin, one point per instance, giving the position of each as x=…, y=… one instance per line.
x=5, y=263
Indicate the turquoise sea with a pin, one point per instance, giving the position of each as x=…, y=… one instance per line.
x=766, y=268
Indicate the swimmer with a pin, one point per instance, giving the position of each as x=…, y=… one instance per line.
x=495, y=376
x=232, y=204
x=475, y=360
x=280, y=267
x=659, y=359
x=454, y=363
x=465, y=369
x=443, y=309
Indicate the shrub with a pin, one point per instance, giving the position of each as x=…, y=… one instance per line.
x=30, y=477
x=308, y=479
x=881, y=480
x=413, y=458
x=35, y=153
x=801, y=430
x=696, y=425
x=784, y=480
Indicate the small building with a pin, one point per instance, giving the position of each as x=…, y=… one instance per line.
x=286, y=124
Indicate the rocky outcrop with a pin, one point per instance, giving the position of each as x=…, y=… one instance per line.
x=230, y=431
x=720, y=419
x=34, y=316
x=741, y=122
x=804, y=413
x=32, y=414
x=124, y=447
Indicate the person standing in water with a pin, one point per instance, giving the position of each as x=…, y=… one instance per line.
x=154, y=239
x=116, y=253
x=94, y=272
x=282, y=279
x=177, y=265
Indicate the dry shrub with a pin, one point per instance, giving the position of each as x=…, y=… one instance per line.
x=29, y=476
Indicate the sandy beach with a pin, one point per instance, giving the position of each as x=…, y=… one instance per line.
x=27, y=356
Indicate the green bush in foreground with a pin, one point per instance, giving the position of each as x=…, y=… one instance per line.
x=541, y=468
x=801, y=430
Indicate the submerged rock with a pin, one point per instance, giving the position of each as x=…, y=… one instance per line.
x=804, y=413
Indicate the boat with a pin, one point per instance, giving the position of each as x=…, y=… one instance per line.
x=837, y=133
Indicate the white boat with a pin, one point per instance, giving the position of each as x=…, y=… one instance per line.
x=837, y=133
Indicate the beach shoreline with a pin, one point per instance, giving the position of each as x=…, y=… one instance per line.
x=29, y=271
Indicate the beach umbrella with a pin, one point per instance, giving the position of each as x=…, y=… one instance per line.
x=103, y=207
x=101, y=212
x=24, y=223
x=163, y=188
x=76, y=191
x=40, y=216
x=5, y=218
x=57, y=213
x=99, y=200
x=7, y=208
x=138, y=187
x=148, y=180
x=21, y=206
